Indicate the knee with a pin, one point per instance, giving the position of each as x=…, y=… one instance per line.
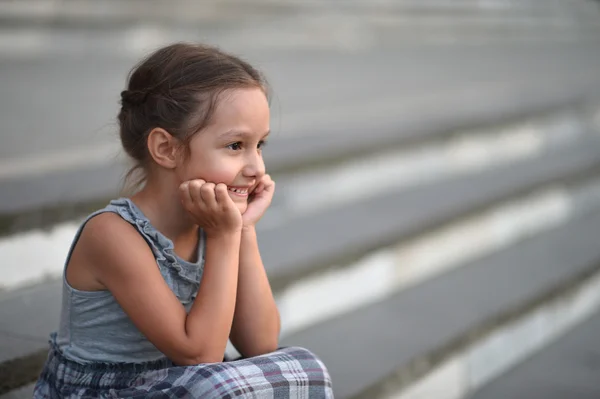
x=305, y=357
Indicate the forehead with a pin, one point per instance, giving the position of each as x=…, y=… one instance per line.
x=242, y=109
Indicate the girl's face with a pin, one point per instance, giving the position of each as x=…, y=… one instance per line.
x=229, y=150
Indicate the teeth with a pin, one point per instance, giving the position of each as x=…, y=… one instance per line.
x=239, y=190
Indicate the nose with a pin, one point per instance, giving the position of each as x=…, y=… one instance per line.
x=254, y=166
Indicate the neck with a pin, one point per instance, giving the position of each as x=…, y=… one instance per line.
x=160, y=203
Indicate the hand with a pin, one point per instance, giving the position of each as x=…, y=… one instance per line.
x=210, y=207
x=259, y=201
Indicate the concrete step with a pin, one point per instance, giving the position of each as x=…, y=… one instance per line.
x=567, y=368
x=452, y=334
x=25, y=392
x=321, y=33
x=108, y=12
x=328, y=25
x=413, y=210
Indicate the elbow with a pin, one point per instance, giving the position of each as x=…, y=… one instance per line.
x=194, y=361
x=198, y=355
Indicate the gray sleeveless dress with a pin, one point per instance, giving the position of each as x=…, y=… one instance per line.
x=98, y=352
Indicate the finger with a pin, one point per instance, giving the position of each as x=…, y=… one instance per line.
x=207, y=192
x=270, y=188
x=222, y=196
x=194, y=189
x=259, y=188
x=269, y=184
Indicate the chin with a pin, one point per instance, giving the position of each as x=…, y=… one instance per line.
x=242, y=208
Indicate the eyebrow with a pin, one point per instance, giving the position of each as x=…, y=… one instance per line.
x=231, y=134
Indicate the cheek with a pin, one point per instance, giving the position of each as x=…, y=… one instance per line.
x=216, y=176
x=212, y=169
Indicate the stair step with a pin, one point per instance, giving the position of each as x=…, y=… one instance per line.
x=383, y=345
x=346, y=232
x=25, y=392
x=566, y=369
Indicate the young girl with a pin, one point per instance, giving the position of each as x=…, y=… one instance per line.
x=155, y=285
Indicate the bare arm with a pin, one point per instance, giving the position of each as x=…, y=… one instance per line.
x=121, y=260
x=256, y=323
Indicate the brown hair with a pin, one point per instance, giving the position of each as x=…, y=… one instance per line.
x=176, y=88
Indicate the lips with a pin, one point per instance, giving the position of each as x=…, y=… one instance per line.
x=240, y=191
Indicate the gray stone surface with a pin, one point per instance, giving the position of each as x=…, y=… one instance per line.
x=567, y=369
x=446, y=19
x=25, y=392
x=27, y=317
x=22, y=301
x=321, y=238
x=21, y=344
x=364, y=346
x=192, y=11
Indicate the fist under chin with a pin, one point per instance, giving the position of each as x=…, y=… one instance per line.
x=240, y=202
x=241, y=206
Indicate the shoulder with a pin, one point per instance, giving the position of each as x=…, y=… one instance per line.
x=107, y=228
x=109, y=240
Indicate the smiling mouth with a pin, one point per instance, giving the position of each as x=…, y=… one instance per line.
x=242, y=192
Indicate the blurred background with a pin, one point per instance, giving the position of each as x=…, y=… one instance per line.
x=435, y=228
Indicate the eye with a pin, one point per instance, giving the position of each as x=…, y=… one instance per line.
x=262, y=143
x=235, y=146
